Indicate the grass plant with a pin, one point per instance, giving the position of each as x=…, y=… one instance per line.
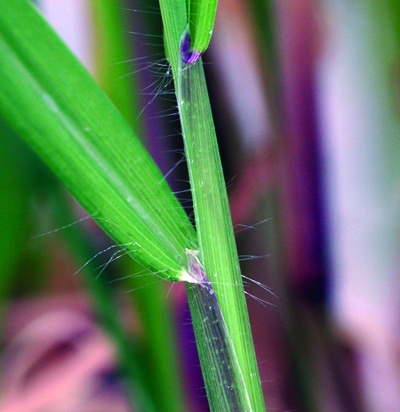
x=51, y=101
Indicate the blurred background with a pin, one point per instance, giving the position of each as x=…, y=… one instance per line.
x=305, y=96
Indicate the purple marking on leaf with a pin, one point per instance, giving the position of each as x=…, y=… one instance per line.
x=187, y=56
x=185, y=47
x=194, y=56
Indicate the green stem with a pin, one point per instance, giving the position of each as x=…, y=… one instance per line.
x=217, y=246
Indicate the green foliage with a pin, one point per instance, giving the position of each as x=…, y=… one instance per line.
x=201, y=23
x=55, y=106
x=13, y=207
x=113, y=58
x=113, y=54
x=50, y=100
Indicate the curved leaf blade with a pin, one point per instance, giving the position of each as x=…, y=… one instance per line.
x=55, y=106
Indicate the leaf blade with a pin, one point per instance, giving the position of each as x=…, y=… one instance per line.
x=201, y=24
x=55, y=105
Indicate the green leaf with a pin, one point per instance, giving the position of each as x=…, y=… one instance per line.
x=175, y=19
x=14, y=202
x=113, y=57
x=201, y=24
x=55, y=105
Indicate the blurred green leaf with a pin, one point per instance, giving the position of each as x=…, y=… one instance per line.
x=113, y=57
x=13, y=209
x=104, y=304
